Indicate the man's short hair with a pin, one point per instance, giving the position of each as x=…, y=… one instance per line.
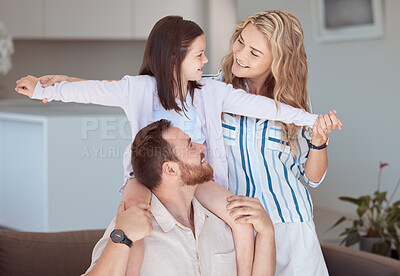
x=149, y=152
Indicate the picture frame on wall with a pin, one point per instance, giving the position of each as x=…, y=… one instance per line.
x=344, y=20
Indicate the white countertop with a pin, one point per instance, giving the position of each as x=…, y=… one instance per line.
x=33, y=109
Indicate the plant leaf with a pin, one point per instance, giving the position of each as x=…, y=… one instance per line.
x=339, y=221
x=397, y=203
x=357, y=201
x=358, y=223
x=361, y=210
x=393, y=235
x=380, y=196
x=352, y=238
x=381, y=248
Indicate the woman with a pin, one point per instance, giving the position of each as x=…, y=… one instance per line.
x=266, y=158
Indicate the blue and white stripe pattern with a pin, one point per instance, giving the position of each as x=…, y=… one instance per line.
x=260, y=166
x=218, y=76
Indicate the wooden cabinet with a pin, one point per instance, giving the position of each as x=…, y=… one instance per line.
x=93, y=19
x=147, y=13
x=88, y=19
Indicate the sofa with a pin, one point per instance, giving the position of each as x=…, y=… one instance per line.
x=69, y=253
x=55, y=254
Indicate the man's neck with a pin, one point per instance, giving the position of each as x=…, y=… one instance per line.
x=178, y=201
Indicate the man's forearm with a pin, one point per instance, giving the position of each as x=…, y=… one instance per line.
x=113, y=260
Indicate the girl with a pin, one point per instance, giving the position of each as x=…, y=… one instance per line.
x=170, y=86
x=267, y=58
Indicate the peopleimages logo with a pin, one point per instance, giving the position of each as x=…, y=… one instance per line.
x=107, y=128
x=110, y=137
x=101, y=152
x=105, y=137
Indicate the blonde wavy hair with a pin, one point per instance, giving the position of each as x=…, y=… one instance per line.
x=287, y=82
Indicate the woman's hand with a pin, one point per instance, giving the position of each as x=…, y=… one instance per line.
x=49, y=80
x=249, y=210
x=26, y=85
x=325, y=124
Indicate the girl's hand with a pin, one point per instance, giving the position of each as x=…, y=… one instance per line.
x=49, y=80
x=26, y=85
x=249, y=210
x=324, y=125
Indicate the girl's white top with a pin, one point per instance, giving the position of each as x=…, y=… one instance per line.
x=137, y=96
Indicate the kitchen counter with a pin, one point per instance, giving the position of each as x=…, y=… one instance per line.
x=60, y=164
x=21, y=108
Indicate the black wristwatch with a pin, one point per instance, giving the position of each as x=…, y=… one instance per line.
x=118, y=236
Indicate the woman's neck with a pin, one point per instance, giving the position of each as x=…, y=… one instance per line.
x=257, y=87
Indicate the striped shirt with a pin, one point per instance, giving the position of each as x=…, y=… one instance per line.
x=259, y=165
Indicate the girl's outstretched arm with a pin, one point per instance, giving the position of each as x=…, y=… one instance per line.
x=107, y=93
x=50, y=80
x=214, y=197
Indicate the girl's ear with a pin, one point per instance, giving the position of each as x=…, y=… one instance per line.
x=169, y=168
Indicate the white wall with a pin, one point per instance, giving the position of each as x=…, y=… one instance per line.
x=360, y=80
x=221, y=22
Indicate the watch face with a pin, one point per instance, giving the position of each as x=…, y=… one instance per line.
x=117, y=235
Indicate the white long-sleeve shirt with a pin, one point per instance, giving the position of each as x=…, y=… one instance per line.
x=137, y=96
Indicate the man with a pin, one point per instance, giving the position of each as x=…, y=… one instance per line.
x=185, y=239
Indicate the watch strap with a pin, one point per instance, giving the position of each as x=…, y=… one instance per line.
x=127, y=241
x=318, y=147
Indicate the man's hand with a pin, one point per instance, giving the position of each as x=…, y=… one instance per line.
x=249, y=210
x=134, y=221
x=26, y=85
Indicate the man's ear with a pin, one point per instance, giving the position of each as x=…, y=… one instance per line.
x=169, y=168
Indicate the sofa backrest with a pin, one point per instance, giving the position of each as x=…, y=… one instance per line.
x=60, y=253
x=343, y=261
x=69, y=253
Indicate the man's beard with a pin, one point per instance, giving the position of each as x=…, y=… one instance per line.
x=192, y=175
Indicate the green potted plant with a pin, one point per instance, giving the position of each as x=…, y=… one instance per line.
x=377, y=223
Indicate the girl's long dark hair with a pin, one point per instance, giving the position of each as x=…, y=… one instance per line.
x=165, y=50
